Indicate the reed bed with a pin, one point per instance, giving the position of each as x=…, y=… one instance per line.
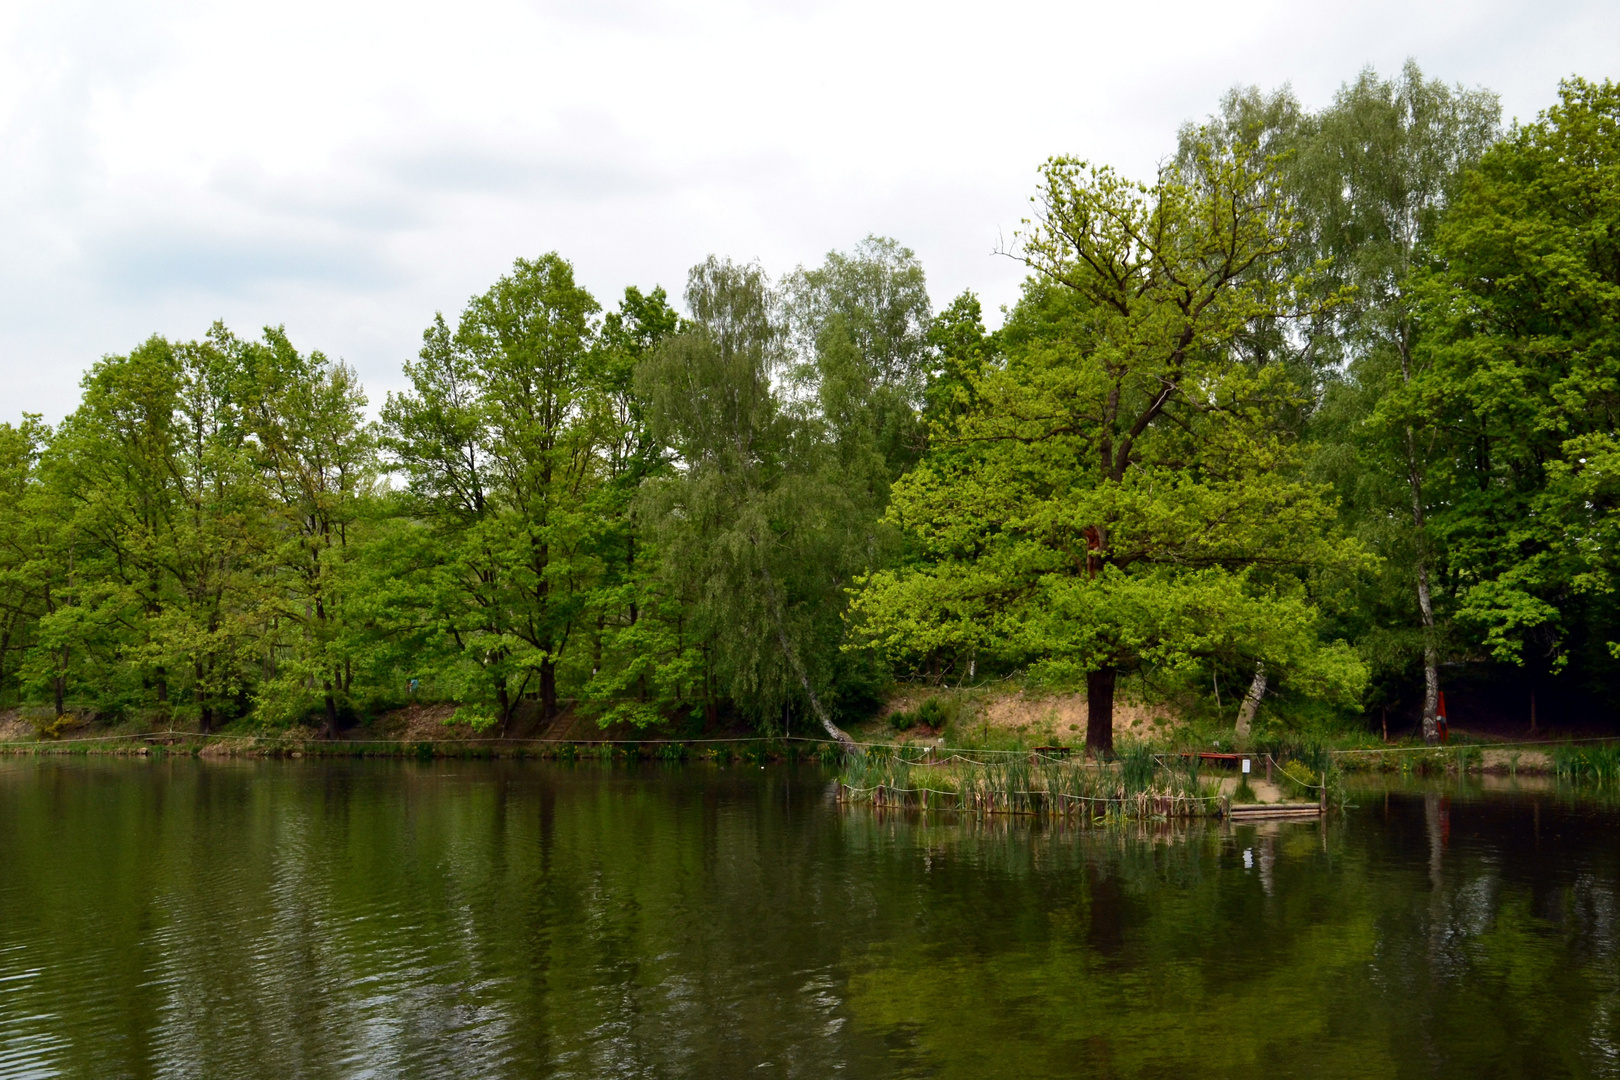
x=1138, y=787
x=1599, y=764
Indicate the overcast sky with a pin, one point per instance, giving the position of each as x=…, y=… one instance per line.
x=347, y=167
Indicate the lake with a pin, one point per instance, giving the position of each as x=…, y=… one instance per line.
x=281, y=919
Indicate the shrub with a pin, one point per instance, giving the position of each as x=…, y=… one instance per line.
x=1301, y=774
x=931, y=713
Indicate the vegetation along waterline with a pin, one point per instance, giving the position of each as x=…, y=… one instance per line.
x=1040, y=785
x=1312, y=436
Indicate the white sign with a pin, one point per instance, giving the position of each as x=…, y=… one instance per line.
x=1245, y=765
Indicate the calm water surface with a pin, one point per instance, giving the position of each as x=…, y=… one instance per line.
x=492, y=920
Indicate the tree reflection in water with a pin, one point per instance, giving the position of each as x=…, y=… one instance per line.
x=508, y=919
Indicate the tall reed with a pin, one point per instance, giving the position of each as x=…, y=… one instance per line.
x=1138, y=787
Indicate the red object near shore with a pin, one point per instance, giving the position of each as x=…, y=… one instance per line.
x=1440, y=721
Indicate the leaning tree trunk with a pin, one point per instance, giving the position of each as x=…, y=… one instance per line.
x=1100, y=711
x=1251, y=701
x=792, y=656
x=827, y=724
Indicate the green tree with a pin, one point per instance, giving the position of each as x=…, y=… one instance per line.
x=109, y=477
x=961, y=349
x=639, y=656
x=316, y=458
x=1122, y=491
x=147, y=486
x=212, y=546
x=859, y=325
x=1521, y=354
x=1372, y=177
x=742, y=522
x=22, y=539
x=501, y=453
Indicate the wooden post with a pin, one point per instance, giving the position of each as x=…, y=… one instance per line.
x=1323, y=803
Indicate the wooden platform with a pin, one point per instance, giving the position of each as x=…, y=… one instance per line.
x=1250, y=811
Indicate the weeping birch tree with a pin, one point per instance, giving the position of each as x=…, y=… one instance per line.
x=747, y=511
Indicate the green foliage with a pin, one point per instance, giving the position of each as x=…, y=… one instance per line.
x=1372, y=177
x=931, y=713
x=1301, y=774
x=1333, y=398
x=499, y=442
x=1082, y=511
x=1523, y=310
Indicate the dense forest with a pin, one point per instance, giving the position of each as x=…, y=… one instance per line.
x=1326, y=411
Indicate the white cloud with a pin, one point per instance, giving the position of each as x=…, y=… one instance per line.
x=345, y=167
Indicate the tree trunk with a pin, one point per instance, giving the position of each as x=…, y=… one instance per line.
x=1414, y=480
x=630, y=573
x=548, y=689
x=1100, y=712
x=204, y=716
x=1251, y=701
x=1431, y=659
x=827, y=724
x=331, y=711
x=504, y=700
x=791, y=655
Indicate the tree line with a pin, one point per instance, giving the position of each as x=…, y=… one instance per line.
x=1327, y=407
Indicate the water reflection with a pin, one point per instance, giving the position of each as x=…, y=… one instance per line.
x=507, y=920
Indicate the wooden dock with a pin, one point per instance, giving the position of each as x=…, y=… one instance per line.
x=1255, y=811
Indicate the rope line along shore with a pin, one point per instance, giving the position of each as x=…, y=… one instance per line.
x=1044, y=794
x=501, y=739
x=1453, y=747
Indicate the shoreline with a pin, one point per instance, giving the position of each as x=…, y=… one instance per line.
x=193, y=744
x=1545, y=757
